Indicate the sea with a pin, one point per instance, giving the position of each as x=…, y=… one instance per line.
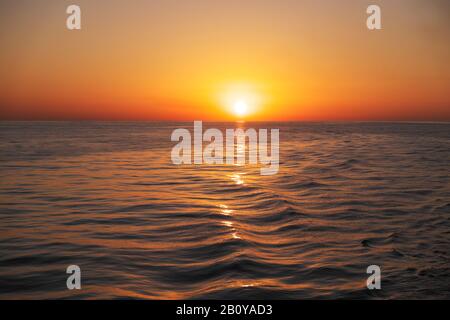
x=105, y=196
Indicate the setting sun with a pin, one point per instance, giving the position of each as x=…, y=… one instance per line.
x=241, y=99
x=240, y=108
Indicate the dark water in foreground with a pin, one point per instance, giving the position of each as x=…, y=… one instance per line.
x=106, y=197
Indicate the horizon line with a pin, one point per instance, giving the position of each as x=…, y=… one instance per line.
x=227, y=121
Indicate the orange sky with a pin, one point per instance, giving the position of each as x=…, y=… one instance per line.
x=186, y=60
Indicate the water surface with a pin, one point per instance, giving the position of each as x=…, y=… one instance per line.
x=105, y=196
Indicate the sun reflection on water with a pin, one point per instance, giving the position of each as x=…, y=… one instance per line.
x=237, y=178
x=224, y=210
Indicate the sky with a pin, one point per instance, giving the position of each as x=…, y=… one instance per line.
x=288, y=60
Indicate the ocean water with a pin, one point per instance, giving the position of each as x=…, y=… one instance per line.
x=106, y=197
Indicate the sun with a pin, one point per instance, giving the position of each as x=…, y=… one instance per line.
x=240, y=108
x=241, y=100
